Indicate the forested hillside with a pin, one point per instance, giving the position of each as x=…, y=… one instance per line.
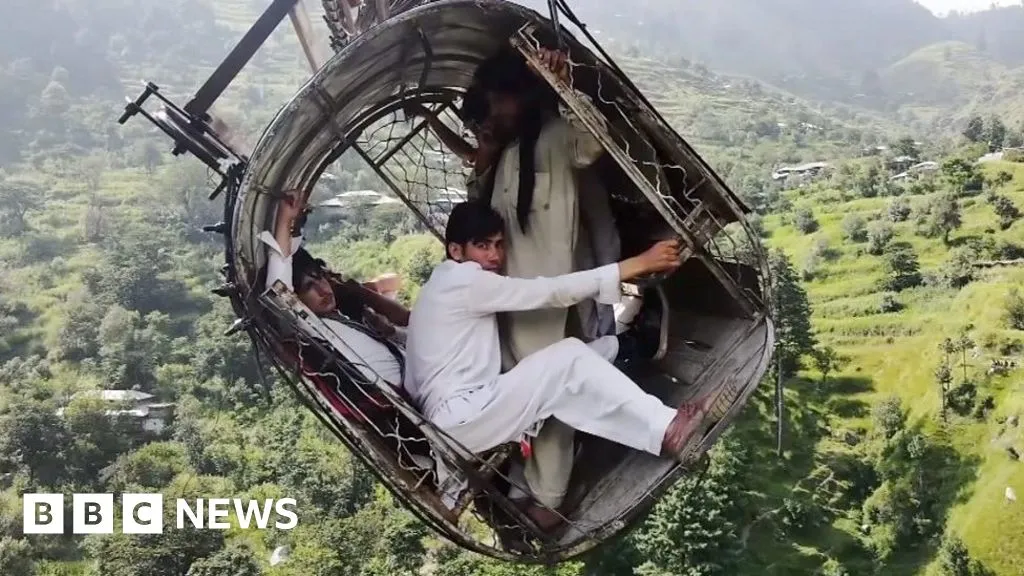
x=901, y=449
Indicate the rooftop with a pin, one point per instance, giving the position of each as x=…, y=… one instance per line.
x=114, y=395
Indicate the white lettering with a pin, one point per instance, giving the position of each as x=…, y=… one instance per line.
x=92, y=513
x=184, y=509
x=283, y=511
x=253, y=508
x=218, y=508
x=142, y=513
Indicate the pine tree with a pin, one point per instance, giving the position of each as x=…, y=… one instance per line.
x=792, y=314
x=693, y=530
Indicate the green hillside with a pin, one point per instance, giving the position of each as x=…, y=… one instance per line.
x=945, y=84
x=105, y=284
x=896, y=353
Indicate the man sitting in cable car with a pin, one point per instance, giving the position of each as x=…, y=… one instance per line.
x=370, y=342
x=453, y=369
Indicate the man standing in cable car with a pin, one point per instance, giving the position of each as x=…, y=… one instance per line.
x=453, y=369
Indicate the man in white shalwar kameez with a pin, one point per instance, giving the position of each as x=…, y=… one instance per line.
x=567, y=226
x=453, y=369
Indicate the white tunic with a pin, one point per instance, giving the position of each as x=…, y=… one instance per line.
x=453, y=344
x=453, y=367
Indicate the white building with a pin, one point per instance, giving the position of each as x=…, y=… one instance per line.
x=352, y=198
x=810, y=170
x=151, y=415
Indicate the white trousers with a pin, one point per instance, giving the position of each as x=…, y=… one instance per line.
x=568, y=381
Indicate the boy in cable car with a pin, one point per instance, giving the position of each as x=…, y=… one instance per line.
x=373, y=339
x=454, y=372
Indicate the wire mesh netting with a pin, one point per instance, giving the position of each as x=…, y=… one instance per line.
x=408, y=157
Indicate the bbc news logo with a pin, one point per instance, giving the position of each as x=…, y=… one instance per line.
x=144, y=513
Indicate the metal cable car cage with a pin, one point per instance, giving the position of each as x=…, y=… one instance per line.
x=426, y=52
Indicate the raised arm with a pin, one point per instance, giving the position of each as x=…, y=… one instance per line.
x=282, y=245
x=491, y=293
x=581, y=145
x=446, y=135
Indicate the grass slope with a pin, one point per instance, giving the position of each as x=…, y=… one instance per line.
x=896, y=353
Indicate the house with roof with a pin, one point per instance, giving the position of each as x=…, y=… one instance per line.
x=800, y=173
x=352, y=198
x=151, y=415
x=919, y=171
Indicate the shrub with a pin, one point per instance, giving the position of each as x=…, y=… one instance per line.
x=902, y=269
x=889, y=303
x=1006, y=250
x=811, y=267
x=987, y=404
x=804, y=221
x=756, y=223
x=1005, y=210
x=961, y=398
x=889, y=416
x=879, y=234
x=854, y=228
x=1013, y=307
x=823, y=250
x=899, y=209
x=958, y=271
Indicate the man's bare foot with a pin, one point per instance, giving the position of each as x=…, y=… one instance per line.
x=688, y=419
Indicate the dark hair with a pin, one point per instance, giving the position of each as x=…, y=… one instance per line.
x=472, y=221
x=474, y=109
x=303, y=264
x=346, y=293
x=508, y=73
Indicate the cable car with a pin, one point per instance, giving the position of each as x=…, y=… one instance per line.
x=387, y=55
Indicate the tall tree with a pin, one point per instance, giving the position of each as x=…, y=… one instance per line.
x=792, y=311
x=906, y=147
x=962, y=175
x=901, y=267
x=17, y=198
x=826, y=360
x=34, y=438
x=963, y=345
x=975, y=129
x=995, y=133
x=943, y=217
x=693, y=530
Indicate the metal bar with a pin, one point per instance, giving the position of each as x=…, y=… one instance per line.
x=553, y=10
x=239, y=57
x=394, y=188
x=349, y=15
x=304, y=30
